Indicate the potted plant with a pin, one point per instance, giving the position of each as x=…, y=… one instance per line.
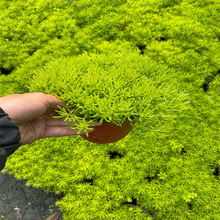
x=118, y=88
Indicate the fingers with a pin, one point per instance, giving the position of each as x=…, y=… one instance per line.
x=61, y=132
x=60, y=122
x=57, y=127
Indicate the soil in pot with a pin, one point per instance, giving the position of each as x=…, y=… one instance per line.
x=108, y=133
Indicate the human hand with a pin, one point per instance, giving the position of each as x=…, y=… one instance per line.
x=33, y=113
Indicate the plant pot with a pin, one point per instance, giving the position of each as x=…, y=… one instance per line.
x=108, y=133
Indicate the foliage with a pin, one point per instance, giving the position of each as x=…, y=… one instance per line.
x=171, y=169
x=112, y=88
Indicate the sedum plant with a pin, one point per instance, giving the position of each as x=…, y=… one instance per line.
x=112, y=88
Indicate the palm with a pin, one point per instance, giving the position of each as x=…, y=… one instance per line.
x=33, y=113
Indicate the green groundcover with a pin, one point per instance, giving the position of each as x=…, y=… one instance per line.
x=162, y=170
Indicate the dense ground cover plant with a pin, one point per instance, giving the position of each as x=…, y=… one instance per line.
x=112, y=88
x=170, y=169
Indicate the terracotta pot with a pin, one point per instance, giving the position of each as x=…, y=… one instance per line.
x=108, y=133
